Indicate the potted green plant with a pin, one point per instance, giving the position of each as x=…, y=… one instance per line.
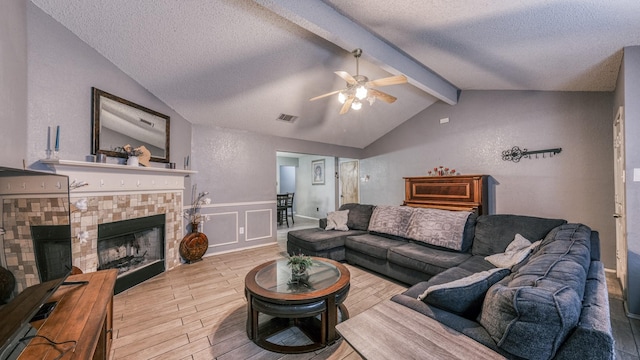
x=299, y=265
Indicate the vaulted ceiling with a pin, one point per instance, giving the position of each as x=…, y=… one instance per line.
x=240, y=63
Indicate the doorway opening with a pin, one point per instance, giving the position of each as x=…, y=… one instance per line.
x=321, y=183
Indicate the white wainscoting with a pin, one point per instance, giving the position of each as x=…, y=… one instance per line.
x=241, y=225
x=259, y=224
x=222, y=228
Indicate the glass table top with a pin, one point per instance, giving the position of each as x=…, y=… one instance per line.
x=277, y=277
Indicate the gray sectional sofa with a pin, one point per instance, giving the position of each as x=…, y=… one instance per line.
x=551, y=304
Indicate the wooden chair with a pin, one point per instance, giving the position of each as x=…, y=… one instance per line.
x=290, y=206
x=281, y=207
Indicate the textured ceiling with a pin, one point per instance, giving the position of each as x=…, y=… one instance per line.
x=239, y=64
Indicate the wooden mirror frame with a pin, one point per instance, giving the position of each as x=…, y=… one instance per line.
x=151, y=134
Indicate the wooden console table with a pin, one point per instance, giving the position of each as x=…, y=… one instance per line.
x=84, y=313
x=393, y=331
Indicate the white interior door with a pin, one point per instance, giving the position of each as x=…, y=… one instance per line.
x=349, y=192
x=620, y=208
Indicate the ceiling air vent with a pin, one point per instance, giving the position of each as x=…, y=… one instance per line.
x=287, y=118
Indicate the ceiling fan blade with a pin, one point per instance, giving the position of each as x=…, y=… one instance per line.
x=392, y=80
x=347, y=105
x=347, y=77
x=325, y=95
x=383, y=96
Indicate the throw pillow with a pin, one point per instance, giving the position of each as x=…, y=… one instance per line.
x=514, y=254
x=463, y=296
x=391, y=220
x=438, y=227
x=359, y=215
x=337, y=220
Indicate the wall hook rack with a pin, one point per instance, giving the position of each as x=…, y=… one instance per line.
x=515, y=153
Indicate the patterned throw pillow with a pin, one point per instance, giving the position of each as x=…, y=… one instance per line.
x=337, y=220
x=438, y=227
x=391, y=220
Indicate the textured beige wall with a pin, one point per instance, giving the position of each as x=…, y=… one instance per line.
x=13, y=87
x=576, y=185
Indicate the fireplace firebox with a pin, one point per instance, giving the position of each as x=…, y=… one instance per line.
x=134, y=247
x=52, y=248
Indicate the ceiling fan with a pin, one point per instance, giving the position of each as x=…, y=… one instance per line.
x=360, y=88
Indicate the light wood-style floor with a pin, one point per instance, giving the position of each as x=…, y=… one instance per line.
x=198, y=311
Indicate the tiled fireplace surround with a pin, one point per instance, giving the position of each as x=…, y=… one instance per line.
x=109, y=208
x=118, y=192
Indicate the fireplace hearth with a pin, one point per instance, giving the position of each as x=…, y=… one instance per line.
x=134, y=247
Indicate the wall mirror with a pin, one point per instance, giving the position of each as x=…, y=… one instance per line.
x=118, y=122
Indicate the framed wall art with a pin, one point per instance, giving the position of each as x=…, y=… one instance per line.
x=317, y=172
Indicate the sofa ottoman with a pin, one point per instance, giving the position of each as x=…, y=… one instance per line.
x=319, y=242
x=330, y=244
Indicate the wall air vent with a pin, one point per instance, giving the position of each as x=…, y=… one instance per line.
x=287, y=118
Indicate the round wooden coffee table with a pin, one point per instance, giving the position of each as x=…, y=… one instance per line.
x=314, y=305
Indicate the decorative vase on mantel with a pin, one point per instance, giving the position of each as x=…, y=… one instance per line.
x=133, y=161
x=194, y=245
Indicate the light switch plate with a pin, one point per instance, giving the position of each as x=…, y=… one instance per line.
x=636, y=174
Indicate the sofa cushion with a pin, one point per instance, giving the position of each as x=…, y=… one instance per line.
x=464, y=295
x=494, y=232
x=438, y=227
x=337, y=220
x=469, y=232
x=565, y=250
x=426, y=259
x=542, y=300
x=392, y=220
x=372, y=245
x=593, y=332
x=359, y=215
x=514, y=254
x=476, y=264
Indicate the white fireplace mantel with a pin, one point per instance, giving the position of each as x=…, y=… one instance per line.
x=115, y=178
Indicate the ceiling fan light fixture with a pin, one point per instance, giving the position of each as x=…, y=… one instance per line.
x=360, y=89
x=342, y=97
x=361, y=92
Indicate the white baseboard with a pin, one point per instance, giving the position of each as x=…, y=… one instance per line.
x=241, y=249
x=307, y=217
x=630, y=314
